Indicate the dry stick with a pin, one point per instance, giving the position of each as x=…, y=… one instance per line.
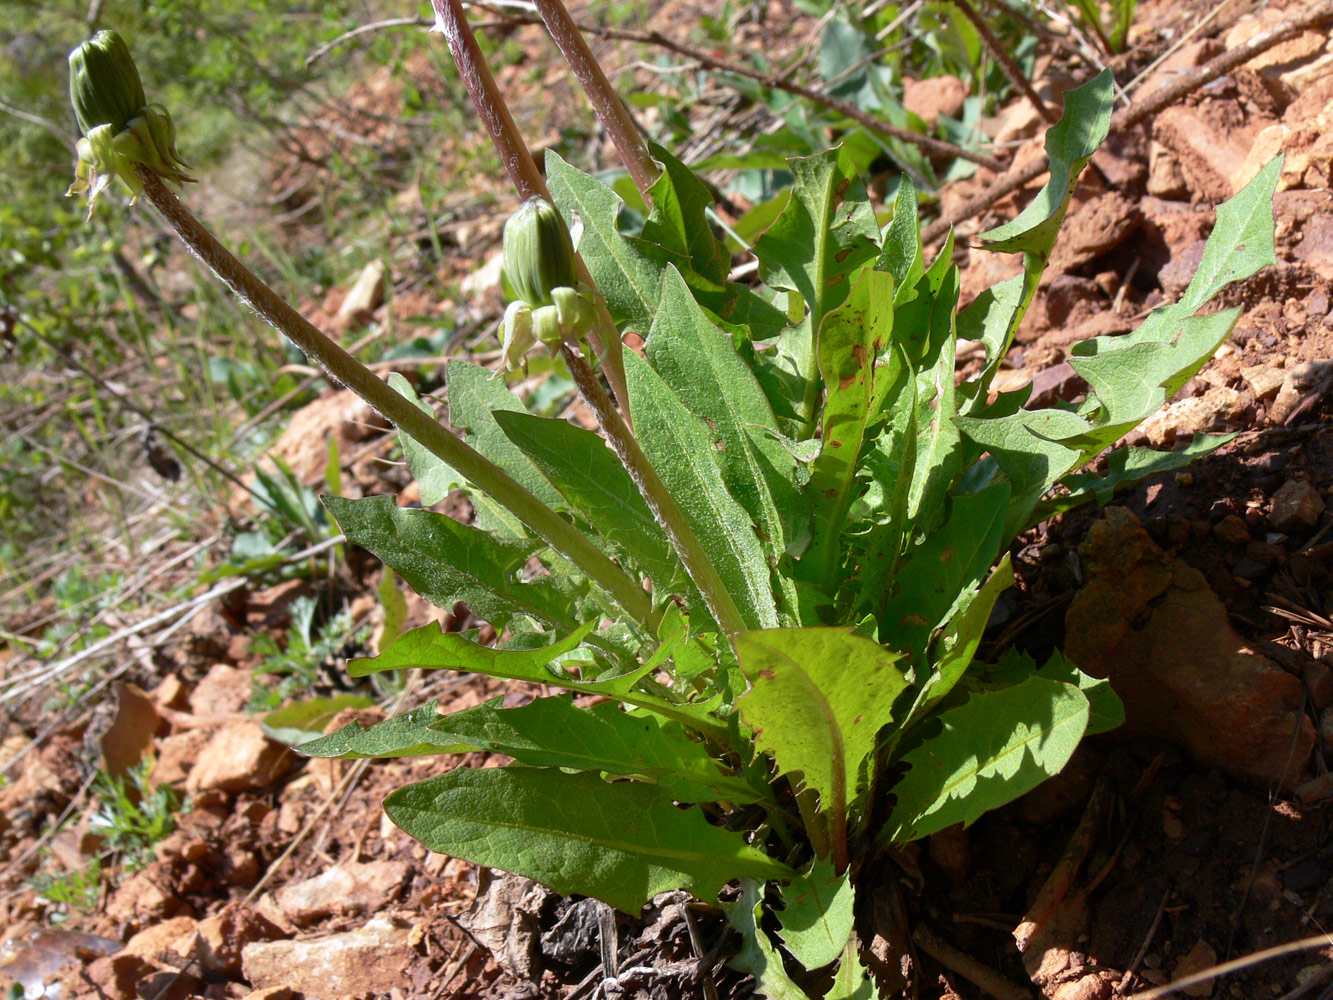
x=1127, y=118
x=476, y=74
x=611, y=112
x=398, y=409
x=1006, y=61
x=1235, y=965
x=939, y=147
x=982, y=976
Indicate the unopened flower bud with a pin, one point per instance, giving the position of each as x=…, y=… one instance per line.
x=104, y=83
x=538, y=253
x=121, y=129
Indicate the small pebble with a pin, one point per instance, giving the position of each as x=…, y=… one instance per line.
x=1232, y=530
x=1297, y=506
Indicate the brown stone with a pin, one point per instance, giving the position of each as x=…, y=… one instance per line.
x=223, y=691
x=938, y=95
x=239, y=757
x=167, y=943
x=223, y=937
x=141, y=900
x=1296, y=507
x=372, y=959
x=1155, y=628
x=130, y=734
x=1201, y=956
x=1232, y=530
x=1218, y=406
x=348, y=888
x=177, y=755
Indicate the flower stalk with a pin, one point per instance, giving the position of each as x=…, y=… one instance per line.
x=451, y=22
x=610, y=110
x=348, y=371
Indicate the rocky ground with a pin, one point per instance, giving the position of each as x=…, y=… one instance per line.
x=1197, y=834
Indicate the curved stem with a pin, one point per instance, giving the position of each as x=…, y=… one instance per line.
x=348, y=371
x=611, y=112
x=451, y=22
x=654, y=492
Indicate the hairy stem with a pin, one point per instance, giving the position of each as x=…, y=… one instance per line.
x=490, y=104
x=655, y=493
x=402, y=412
x=611, y=112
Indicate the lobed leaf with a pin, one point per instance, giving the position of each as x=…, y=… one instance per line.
x=818, y=698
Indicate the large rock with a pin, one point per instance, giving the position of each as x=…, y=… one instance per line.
x=348, y=888
x=372, y=959
x=1154, y=627
x=238, y=758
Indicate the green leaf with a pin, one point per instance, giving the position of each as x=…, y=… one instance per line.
x=431, y=648
x=852, y=981
x=435, y=476
x=850, y=340
x=678, y=220
x=1027, y=446
x=824, y=234
x=627, y=272
x=939, y=447
x=757, y=956
x=446, y=562
x=620, y=842
x=551, y=732
x=1132, y=383
x=993, y=748
x=680, y=448
x=939, y=571
x=901, y=253
x=989, y=318
x=818, y=698
x=957, y=644
x=407, y=735
x=302, y=719
x=698, y=362
x=1125, y=467
x=474, y=399
x=597, y=488
x=1241, y=243
x=1069, y=144
x=394, y=606
x=817, y=919
x=1105, y=709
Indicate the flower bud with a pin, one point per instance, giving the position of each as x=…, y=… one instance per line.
x=104, y=83
x=538, y=253
x=122, y=131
